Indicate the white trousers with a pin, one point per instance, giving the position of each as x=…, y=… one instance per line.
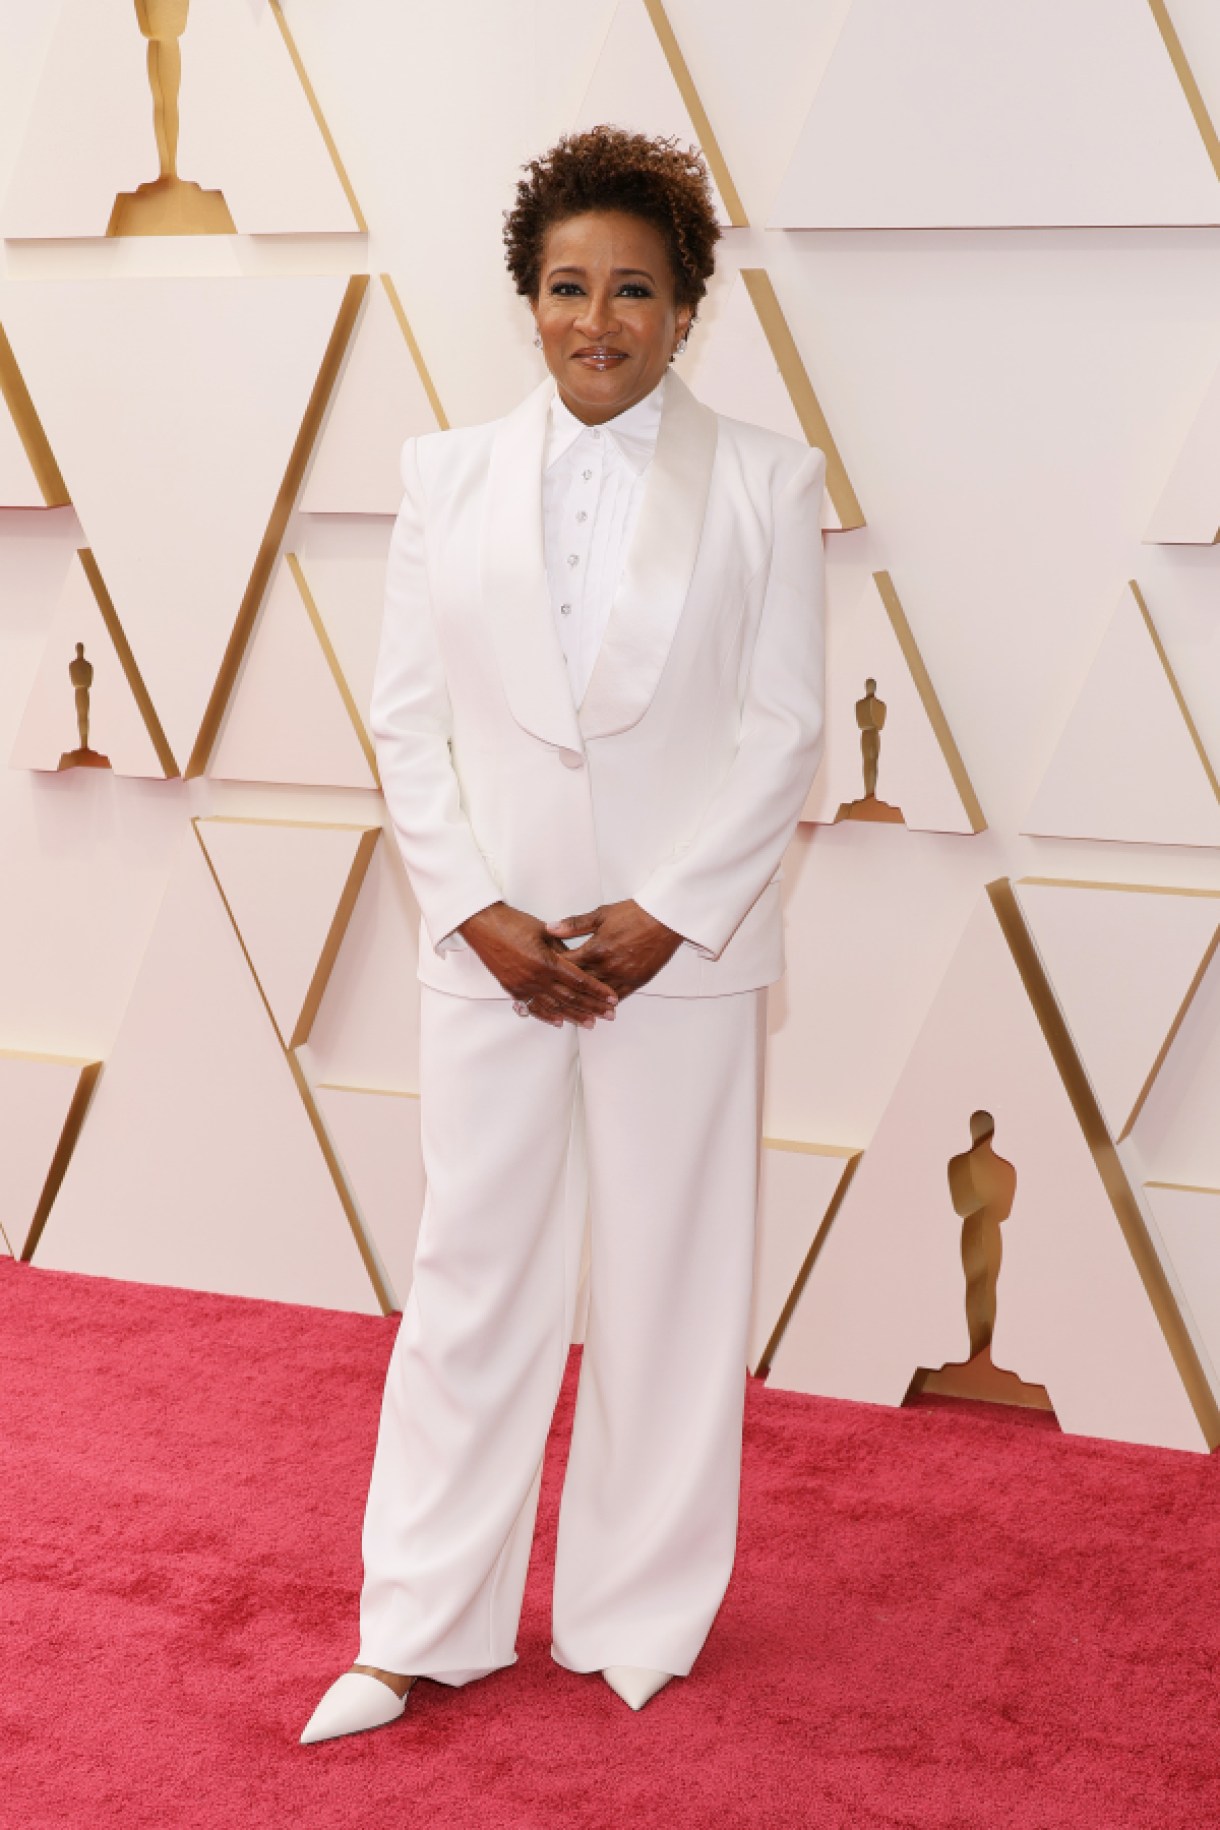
x=657, y=1116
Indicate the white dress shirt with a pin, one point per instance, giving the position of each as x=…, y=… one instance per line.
x=592, y=485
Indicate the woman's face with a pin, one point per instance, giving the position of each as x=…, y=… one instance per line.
x=606, y=311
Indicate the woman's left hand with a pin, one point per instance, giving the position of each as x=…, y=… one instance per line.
x=626, y=948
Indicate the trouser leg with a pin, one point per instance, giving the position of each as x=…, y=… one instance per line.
x=648, y=1518
x=482, y=1345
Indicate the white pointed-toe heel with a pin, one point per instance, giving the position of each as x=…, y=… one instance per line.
x=634, y=1684
x=354, y=1702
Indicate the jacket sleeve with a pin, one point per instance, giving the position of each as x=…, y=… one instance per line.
x=705, y=889
x=411, y=722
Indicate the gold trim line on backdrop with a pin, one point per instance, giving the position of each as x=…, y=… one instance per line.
x=698, y=114
x=808, y=408
x=1171, y=1036
x=330, y=951
x=348, y=1086
x=74, y=1119
x=332, y=661
x=1114, y=1179
x=852, y=1159
x=127, y=661
x=1172, y=678
x=24, y=415
x=277, y=13
x=1179, y=1017
x=931, y=704
x=1186, y=77
x=277, y=525
x=417, y=355
x=344, y=909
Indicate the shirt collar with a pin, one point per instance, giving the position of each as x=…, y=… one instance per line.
x=632, y=433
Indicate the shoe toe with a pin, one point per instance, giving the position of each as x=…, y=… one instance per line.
x=634, y=1684
x=354, y=1702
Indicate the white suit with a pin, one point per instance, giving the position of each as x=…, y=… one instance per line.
x=677, y=781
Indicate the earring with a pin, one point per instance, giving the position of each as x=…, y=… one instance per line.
x=679, y=346
x=537, y=339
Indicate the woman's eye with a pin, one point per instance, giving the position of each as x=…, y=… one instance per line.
x=562, y=289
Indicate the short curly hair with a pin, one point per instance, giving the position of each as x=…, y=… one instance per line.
x=608, y=168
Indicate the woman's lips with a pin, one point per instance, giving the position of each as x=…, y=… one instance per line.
x=600, y=359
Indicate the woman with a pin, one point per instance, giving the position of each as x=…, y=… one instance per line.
x=597, y=712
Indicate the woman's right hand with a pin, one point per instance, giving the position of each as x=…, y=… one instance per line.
x=535, y=968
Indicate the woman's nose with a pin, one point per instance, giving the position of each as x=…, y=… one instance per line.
x=598, y=317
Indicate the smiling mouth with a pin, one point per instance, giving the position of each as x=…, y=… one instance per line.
x=600, y=358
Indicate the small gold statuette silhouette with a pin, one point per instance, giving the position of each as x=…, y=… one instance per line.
x=982, y=1186
x=870, y=718
x=168, y=204
x=80, y=672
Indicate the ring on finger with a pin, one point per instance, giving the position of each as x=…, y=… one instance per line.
x=522, y=1006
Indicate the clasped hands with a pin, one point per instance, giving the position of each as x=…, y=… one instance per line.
x=624, y=948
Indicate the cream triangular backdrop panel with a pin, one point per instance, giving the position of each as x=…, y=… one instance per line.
x=29, y=475
x=1075, y=1314
x=1124, y=963
x=344, y=582
x=292, y=717
x=42, y=1103
x=19, y=487
x=799, y=1185
x=122, y=726
x=1188, y=1221
x=383, y=396
x=920, y=770
x=376, y=1136
x=290, y=886
x=248, y=125
x=732, y=367
x=954, y=114
x=1188, y=511
x=198, y=1164
x=746, y=364
x=1129, y=764
x=642, y=81
x=366, y=1032
x=179, y=410
x=1176, y=1133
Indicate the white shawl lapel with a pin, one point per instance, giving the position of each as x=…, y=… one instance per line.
x=659, y=563
x=656, y=577
x=516, y=595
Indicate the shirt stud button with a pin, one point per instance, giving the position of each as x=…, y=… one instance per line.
x=597, y=432
x=573, y=559
x=564, y=609
x=586, y=474
x=582, y=514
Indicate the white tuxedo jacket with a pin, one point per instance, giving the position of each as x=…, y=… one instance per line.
x=679, y=778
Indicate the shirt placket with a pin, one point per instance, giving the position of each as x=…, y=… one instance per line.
x=579, y=512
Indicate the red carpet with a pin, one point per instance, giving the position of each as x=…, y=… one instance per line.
x=945, y=1618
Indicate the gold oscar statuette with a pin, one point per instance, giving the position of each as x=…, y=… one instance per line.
x=982, y=1186
x=168, y=204
x=870, y=720
x=80, y=672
